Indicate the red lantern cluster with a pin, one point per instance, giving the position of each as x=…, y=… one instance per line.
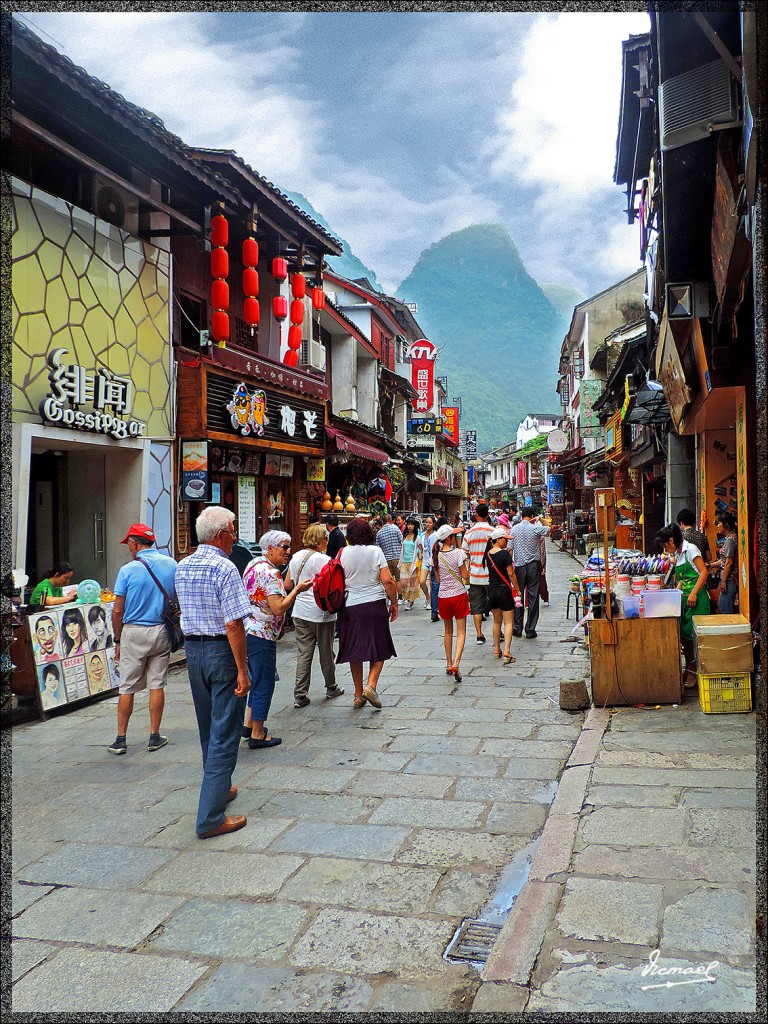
x=251, y=310
x=219, y=285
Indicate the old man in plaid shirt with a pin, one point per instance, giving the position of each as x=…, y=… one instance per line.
x=214, y=603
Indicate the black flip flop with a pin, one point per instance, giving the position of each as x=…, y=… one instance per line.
x=257, y=744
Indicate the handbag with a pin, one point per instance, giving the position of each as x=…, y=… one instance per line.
x=171, y=613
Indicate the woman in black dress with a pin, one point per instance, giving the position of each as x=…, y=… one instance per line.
x=502, y=591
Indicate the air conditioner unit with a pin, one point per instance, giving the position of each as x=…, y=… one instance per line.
x=312, y=354
x=111, y=203
x=697, y=103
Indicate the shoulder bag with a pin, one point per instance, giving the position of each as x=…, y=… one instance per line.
x=516, y=596
x=171, y=613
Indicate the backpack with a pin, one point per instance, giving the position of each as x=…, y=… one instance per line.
x=328, y=586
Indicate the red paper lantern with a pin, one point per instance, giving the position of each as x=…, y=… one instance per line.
x=279, y=307
x=318, y=298
x=250, y=282
x=220, y=326
x=294, y=337
x=251, y=312
x=219, y=263
x=250, y=253
x=219, y=230
x=291, y=357
x=279, y=268
x=297, y=311
x=220, y=295
x=298, y=286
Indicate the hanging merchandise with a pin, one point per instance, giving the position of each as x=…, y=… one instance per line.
x=279, y=268
x=298, y=286
x=219, y=285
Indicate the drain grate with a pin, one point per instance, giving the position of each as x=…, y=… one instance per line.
x=472, y=942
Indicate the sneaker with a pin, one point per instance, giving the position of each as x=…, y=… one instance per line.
x=427, y=606
x=119, y=746
x=480, y=640
x=299, y=702
x=335, y=691
x=156, y=741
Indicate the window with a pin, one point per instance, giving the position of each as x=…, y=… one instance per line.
x=192, y=319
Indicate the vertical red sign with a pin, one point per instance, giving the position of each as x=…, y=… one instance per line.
x=422, y=355
x=451, y=424
x=522, y=474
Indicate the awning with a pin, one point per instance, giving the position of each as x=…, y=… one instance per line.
x=341, y=442
x=399, y=383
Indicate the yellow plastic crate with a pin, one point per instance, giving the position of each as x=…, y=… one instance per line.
x=723, y=694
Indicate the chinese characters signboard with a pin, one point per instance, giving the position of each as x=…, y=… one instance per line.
x=589, y=422
x=252, y=411
x=422, y=355
x=451, y=423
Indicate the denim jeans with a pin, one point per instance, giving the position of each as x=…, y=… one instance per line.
x=434, y=587
x=262, y=663
x=725, y=599
x=212, y=678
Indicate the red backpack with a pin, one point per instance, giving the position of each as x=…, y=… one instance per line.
x=328, y=586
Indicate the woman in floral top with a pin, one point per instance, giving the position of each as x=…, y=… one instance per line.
x=269, y=603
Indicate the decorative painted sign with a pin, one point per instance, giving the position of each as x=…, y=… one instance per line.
x=316, y=470
x=589, y=422
x=557, y=441
x=555, y=489
x=451, y=423
x=422, y=354
x=73, y=385
x=248, y=410
x=260, y=413
x=194, y=471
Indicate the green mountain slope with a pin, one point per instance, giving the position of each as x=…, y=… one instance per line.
x=347, y=265
x=498, y=334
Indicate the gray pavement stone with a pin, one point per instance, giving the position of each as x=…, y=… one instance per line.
x=449, y=764
x=679, y=863
x=394, y=997
x=428, y=813
x=607, y=911
x=369, y=842
x=500, y=997
x=256, y=836
x=89, y=915
x=524, y=819
x=525, y=748
x=619, y=776
x=544, y=768
x=374, y=783
x=716, y=921
x=506, y=790
x=23, y=896
x=240, y=988
x=446, y=848
x=515, y=951
x=634, y=796
x=452, y=745
x=713, y=826
x=325, y=807
x=499, y=730
x=232, y=929
x=364, y=885
x=570, y=790
x=25, y=852
x=220, y=873
x=718, y=798
x=26, y=954
x=637, y=826
x=363, y=943
x=617, y=987
x=553, y=856
x=694, y=740
x=462, y=893
x=82, y=981
x=297, y=781
x=371, y=760
x=425, y=727
x=97, y=867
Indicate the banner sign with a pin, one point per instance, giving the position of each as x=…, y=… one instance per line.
x=555, y=489
x=589, y=392
x=522, y=474
x=422, y=354
x=470, y=444
x=258, y=412
x=451, y=423
x=316, y=470
x=426, y=425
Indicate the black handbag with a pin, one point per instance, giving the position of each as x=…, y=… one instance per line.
x=171, y=614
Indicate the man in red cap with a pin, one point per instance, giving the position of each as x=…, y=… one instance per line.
x=143, y=648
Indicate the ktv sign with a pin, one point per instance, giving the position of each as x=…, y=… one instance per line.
x=422, y=355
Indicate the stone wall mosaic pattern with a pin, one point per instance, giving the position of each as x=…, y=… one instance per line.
x=81, y=284
x=159, y=495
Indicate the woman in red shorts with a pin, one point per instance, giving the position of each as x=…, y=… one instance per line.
x=450, y=567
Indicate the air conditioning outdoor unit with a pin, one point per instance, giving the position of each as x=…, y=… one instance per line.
x=697, y=103
x=312, y=354
x=110, y=203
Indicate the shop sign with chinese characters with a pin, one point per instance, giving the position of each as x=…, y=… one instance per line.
x=422, y=354
x=253, y=411
x=73, y=385
x=451, y=423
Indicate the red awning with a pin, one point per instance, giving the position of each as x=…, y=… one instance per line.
x=344, y=443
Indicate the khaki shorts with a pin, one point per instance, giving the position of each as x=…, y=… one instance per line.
x=394, y=568
x=145, y=652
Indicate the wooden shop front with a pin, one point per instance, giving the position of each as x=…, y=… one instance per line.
x=255, y=440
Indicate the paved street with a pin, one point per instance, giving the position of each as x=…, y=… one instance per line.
x=372, y=835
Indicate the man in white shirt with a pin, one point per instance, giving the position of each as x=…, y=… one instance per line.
x=526, y=551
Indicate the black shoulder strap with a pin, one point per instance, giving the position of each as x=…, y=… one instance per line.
x=157, y=581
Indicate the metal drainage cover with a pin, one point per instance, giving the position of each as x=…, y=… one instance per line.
x=472, y=942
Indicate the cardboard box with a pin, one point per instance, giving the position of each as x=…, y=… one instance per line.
x=723, y=644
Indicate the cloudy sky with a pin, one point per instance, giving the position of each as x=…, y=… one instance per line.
x=398, y=127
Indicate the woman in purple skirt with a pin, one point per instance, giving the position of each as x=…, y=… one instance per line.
x=364, y=620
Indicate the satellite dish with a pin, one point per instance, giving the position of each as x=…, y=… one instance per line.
x=557, y=441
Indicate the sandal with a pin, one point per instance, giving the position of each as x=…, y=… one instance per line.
x=371, y=696
x=497, y=654
x=509, y=659
x=449, y=670
x=456, y=674
x=358, y=702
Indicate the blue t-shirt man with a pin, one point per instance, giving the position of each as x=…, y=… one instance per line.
x=144, y=602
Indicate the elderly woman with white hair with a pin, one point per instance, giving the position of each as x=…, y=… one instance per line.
x=269, y=602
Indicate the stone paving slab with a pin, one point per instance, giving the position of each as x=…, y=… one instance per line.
x=82, y=981
x=369, y=842
x=690, y=741
x=241, y=988
x=533, y=768
x=724, y=778
x=638, y=826
x=525, y=748
x=678, y=863
x=448, y=848
x=362, y=885
x=601, y=910
x=88, y=915
x=232, y=929
x=499, y=730
x=710, y=920
x=514, y=818
x=634, y=796
x=718, y=798
x=429, y=813
x=400, y=998
x=99, y=867
x=506, y=790
x=256, y=836
x=297, y=781
x=220, y=873
x=415, y=743
x=711, y=826
x=710, y=763
x=371, y=944
x=462, y=892
x=23, y=896
x=26, y=954
x=27, y=851
x=448, y=764
x=374, y=784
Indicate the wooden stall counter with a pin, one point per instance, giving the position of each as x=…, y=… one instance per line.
x=635, y=661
